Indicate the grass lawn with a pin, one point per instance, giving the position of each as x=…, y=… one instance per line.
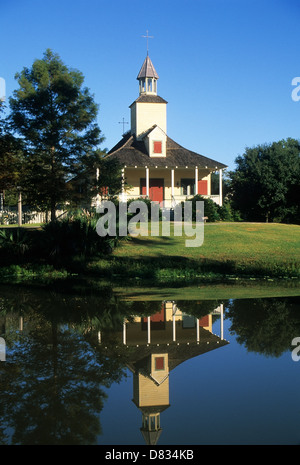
x=231, y=252
x=255, y=250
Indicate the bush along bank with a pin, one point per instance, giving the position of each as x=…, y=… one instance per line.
x=60, y=243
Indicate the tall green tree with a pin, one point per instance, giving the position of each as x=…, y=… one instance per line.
x=102, y=175
x=10, y=156
x=266, y=183
x=55, y=115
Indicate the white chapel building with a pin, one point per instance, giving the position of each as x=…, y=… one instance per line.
x=153, y=164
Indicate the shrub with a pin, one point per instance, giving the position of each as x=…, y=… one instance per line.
x=227, y=212
x=14, y=244
x=58, y=242
x=147, y=202
x=210, y=208
x=74, y=236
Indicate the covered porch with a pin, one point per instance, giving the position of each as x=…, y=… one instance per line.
x=169, y=186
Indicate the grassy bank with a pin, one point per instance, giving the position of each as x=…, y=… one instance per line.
x=232, y=250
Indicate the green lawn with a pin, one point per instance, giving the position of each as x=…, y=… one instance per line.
x=233, y=249
x=229, y=241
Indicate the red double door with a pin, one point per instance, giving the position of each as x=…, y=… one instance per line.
x=202, y=187
x=156, y=189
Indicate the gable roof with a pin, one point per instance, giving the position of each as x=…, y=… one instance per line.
x=146, y=133
x=131, y=152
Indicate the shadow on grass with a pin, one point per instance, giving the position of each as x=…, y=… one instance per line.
x=157, y=267
x=163, y=240
x=178, y=269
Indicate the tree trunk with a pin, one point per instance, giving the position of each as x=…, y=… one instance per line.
x=53, y=204
x=53, y=211
x=19, y=208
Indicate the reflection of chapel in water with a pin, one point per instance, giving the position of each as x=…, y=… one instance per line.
x=158, y=344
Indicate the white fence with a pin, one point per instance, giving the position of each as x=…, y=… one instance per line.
x=11, y=217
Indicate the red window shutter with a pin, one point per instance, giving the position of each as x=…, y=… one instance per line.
x=202, y=187
x=142, y=186
x=204, y=321
x=103, y=191
x=157, y=147
x=159, y=363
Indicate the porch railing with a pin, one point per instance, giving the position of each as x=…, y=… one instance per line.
x=173, y=201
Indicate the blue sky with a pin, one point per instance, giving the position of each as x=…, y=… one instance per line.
x=225, y=66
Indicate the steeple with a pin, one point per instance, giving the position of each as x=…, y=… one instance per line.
x=149, y=110
x=151, y=429
x=147, y=78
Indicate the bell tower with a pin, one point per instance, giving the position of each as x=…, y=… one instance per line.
x=151, y=393
x=147, y=78
x=148, y=110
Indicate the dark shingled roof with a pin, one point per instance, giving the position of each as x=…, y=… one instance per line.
x=132, y=152
x=138, y=357
x=148, y=98
x=151, y=437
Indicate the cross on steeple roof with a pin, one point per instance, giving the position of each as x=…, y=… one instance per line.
x=147, y=37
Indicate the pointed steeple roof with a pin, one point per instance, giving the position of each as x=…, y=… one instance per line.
x=147, y=70
x=151, y=437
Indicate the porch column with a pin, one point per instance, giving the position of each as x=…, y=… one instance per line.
x=196, y=180
x=222, y=321
x=149, y=329
x=174, y=322
x=172, y=183
x=174, y=328
x=198, y=329
x=220, y=188
x=123, y=184
x=98, y=197
x=124, y=332
x=147, y=182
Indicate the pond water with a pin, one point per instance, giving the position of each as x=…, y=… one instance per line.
x=97, y=368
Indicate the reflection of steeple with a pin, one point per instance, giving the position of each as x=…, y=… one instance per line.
x=151, y=392
x=151, y=430
x=157, y=344
x=162, y=342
